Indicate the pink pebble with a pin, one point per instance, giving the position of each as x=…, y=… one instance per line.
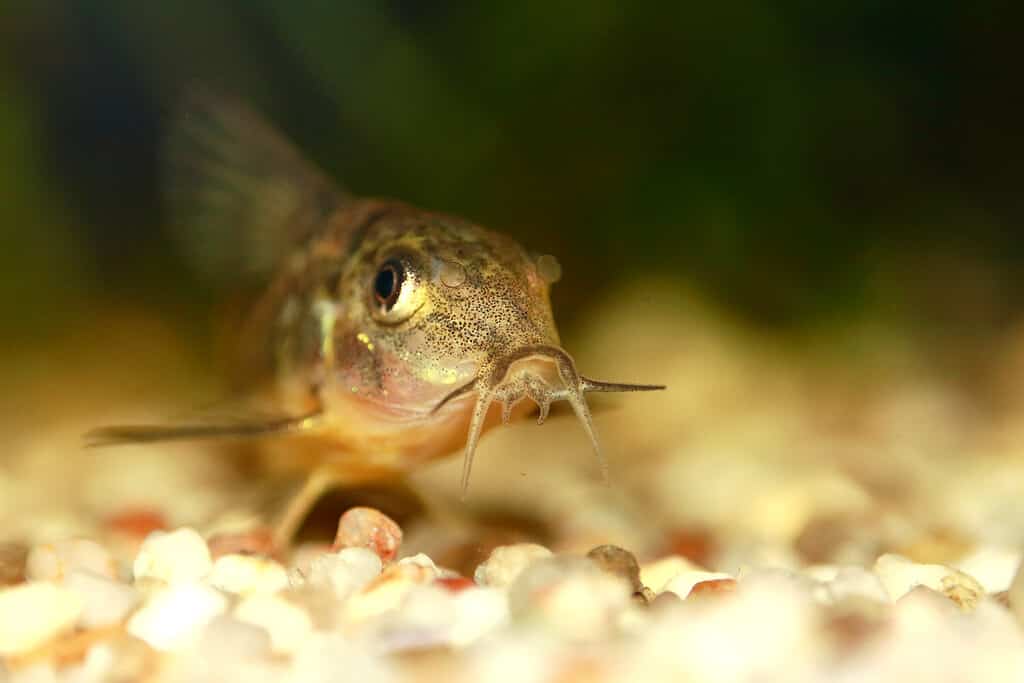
x=137, y=522
x=362, y=527
x=455, y=584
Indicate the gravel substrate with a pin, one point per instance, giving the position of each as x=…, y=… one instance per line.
x=355, y=612
x=783, y=512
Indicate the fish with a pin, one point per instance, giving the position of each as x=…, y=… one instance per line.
x=380, y=334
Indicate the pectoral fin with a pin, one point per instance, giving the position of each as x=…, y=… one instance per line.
x=226, y=429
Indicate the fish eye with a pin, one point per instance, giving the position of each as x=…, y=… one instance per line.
x=387, y=285
x=394, y=295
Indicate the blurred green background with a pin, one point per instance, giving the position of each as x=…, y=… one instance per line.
x=795, y=162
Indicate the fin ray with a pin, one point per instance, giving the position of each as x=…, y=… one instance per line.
x=129, y=434
x=238, y=193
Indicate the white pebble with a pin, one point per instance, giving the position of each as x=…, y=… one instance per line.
x=288, y=624
x=656, y=575
x=837, y=584
x=176, y=556
x=521, y=656
x=478, y=611
x=173, y=617
x=682, y=583
x=507, y=562
x=900, y=575
x=231, y=637
x=36, y=672
x=245, y=574
x=388, y=590
x=345, y=571
x=226, y=650
x=335, y=657
x=33, y=613
x=993, y=567
x=54, y=561
x=571, y=596
x=425, y=619
x=104, y=602
x=422, y=561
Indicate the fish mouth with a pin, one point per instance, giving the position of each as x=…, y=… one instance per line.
x=527, y=373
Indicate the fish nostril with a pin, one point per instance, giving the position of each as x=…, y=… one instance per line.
x=453, y=273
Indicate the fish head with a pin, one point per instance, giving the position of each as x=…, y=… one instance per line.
x=444, y=316
x=434, y=301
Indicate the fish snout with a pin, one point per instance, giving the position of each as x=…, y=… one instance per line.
x=542, y=373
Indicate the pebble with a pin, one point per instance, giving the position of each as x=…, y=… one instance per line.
x=426, y=620
x=53, y=561
x=335, y=657
x=174, y=616
x=507, y=562
x=431, y=616
x=656, y=575
x=363, y=527
x=851, y=583
x=570, y=596
x=137, y=522
x=345, y=571
x=387, y=591
x=993, y=566
x=288, y=624
x=425, y=566
x=455, y=584
x=174, y=557
x=245, y=574
x=105, y=602
x=713, y=587
x=33, y=613
x=249, y=541
x=227, y=650
x=900, y=575
x=300, y=563
x=682, y=584
x=234, y=638
x=619, y=562
x=478, y=612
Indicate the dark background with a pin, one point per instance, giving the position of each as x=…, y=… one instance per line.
x=796, y=162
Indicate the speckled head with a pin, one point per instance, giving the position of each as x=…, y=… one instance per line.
x=428, y=302
x=437, y=311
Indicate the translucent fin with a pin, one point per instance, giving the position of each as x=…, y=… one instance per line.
x=128, y=434
x=239, y=194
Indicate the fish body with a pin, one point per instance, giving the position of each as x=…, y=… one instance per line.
x=383, y=333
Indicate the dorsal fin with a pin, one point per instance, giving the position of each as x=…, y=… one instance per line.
x=239, y=194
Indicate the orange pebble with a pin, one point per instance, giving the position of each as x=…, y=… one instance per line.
x=137, y=522
x=713, y=587
x=363, y=527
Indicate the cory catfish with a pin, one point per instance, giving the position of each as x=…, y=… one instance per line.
x=381, y=334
